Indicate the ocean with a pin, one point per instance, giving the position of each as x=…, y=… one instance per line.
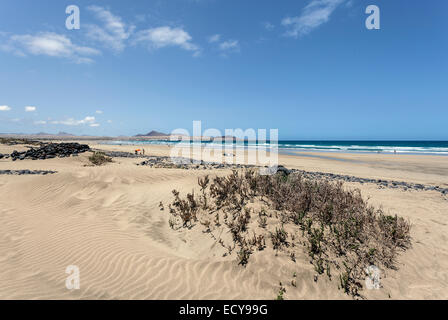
x=354, y=146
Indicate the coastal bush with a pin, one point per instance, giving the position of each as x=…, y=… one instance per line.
x=185, y=209
x=281, y=292
x=99, y=158
x=279, y=238
x=334, y=226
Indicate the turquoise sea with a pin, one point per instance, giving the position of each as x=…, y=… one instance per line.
x=352, y=146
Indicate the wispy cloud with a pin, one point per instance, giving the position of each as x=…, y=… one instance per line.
x=156, y=38
x=110, y=31
x=50, y=44
x=224, y=46
x=5, y=108
x=30, y=109
x=113, y=33
x=89, y=120
x=230, y=45
x=316, y=13
x=99, y=112
x=214, y=38
x=40, y=122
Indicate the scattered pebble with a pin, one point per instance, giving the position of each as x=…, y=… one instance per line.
x=121, y=154
x=381, y=183
x=185, y=163
x=24, y=172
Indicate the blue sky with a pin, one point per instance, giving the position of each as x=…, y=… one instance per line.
x=308, y=68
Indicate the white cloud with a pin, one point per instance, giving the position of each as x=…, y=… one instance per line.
x=5, y=108
x=50, y=44
x=40, y=122
x=214, y=38
x=161, y=37
x=230, y=45
x=114, y=32
x=87, y=120
x=99, y=112
x=94, y=125
x=317, y=12
x=30, y=109
x=225, y=46
x=111, y=31
x=72, y=122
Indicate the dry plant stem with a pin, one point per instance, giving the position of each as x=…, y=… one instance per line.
x=339, y=231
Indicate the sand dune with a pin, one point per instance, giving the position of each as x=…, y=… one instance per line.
x=106, y=220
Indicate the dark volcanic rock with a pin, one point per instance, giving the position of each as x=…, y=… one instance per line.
x=24, y=172
x=51, y=150
x=381, y=183
x=185, y=163
x=120, y=154
x=283, y=170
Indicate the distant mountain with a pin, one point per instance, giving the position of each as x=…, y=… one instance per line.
x=227, y=138
x=153, y=134
x=62, y=133
x=52, y=134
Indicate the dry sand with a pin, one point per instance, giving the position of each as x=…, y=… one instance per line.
x=106, y=221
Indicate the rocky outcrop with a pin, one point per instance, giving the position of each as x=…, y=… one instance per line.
x=51, y=150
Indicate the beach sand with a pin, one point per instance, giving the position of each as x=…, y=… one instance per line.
x=106, y=220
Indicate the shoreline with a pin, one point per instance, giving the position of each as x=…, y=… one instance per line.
x=284, y=150
x=418, y=169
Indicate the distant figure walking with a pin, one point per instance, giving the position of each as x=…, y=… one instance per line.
x=143, y=151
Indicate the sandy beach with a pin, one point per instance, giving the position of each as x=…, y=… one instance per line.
x=106, y=220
